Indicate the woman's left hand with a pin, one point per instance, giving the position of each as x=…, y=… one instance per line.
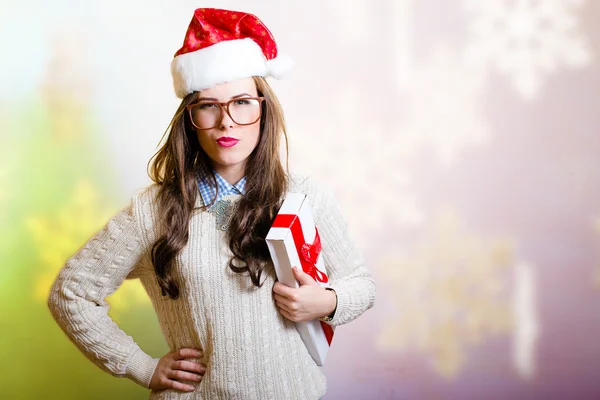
x=308, y=302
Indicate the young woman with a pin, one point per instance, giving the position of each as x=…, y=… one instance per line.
x=196, y=239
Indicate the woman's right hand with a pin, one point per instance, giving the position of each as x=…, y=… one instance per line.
x=172, y=369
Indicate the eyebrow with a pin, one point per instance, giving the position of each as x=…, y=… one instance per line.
x=233, y=97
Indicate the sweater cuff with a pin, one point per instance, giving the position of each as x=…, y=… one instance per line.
x=343, y=300
x=140, y=368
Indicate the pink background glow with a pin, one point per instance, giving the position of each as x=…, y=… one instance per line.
x=460, y=138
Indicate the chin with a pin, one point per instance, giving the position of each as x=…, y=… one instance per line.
x=229, y=162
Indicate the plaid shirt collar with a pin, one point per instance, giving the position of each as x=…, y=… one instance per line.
x=208, y=192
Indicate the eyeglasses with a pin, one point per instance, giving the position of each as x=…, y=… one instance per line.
x=242, y=111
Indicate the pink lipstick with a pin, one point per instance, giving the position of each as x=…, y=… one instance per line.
x=226, y=141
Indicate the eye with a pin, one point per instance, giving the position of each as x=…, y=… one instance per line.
x=204, y=106
x=242, y=102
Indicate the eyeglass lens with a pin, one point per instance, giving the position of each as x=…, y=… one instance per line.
x=207, y=115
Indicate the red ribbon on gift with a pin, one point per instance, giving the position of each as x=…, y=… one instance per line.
x=308, y=252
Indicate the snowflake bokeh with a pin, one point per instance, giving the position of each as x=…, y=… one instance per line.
x=450, y=293
x=527, y=40
x=445, y=107
x=361, y=162
x=58, y=236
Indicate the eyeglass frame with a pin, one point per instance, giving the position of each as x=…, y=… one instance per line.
x=224, y=105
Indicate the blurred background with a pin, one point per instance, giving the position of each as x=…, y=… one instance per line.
x=460, y=138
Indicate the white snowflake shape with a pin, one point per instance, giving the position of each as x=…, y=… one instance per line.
x=350, y=151
x=526, y=39
x=444, y=107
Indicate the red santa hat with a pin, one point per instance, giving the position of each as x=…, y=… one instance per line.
x=221, y=46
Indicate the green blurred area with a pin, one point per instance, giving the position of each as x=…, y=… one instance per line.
x=52, y=146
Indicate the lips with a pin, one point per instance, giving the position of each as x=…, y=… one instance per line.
x=226, y=141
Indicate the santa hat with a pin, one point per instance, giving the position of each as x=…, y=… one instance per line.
x=221, y=46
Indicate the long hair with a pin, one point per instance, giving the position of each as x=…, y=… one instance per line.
x=181, y=161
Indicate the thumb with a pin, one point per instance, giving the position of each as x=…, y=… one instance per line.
x=302, y=277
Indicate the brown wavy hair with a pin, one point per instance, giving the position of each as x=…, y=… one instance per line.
x=181, y=161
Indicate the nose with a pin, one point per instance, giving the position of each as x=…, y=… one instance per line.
x=226, y=121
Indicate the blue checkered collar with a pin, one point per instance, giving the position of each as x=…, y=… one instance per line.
x=208, y=191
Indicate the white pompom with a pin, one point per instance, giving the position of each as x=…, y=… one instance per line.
x=280, y=66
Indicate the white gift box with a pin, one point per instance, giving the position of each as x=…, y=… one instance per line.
x=293, y=241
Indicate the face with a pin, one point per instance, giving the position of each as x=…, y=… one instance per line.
x=228, y=144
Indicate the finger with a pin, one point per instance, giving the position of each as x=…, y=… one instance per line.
x=287, y=292
x=180, y=386
x=187, y=353
x=183, y=376
x=302, y=277
x=287, y=315
x=282, y=289
x=289, y=305
x=284, y=307
x=189, y=366
x=281, y=299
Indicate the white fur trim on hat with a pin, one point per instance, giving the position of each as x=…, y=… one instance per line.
x=280, y=65
x=222, y=62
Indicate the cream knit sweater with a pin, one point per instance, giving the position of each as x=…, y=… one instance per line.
x=251, y=351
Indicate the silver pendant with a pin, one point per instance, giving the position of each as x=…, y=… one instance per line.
x=222, y=210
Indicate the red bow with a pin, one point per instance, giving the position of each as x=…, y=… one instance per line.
x=309, y=254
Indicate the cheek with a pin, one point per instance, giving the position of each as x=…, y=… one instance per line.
x=253, y=136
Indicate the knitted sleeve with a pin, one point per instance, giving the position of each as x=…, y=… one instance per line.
x=77, y=297
x=348, y=274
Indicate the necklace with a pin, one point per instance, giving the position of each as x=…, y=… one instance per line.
x=222, y=210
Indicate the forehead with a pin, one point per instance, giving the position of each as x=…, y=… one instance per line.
x=225, y=91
